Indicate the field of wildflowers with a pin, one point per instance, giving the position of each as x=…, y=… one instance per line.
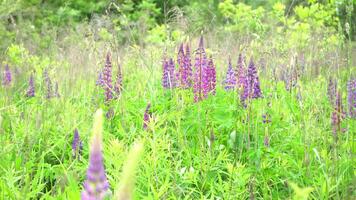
x=203, y=116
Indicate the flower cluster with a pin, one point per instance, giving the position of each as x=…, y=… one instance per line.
x=146, y=116
x=168, y=78
x=107, y=78
x=31, y=87
x=230, y=79
x=7, y=78
x=351, y=97
x=250, y=84
x=77, y=146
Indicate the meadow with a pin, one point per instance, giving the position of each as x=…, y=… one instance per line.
x=252, y=109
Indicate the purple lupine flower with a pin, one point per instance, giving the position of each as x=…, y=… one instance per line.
x=201, y=81
x=188, y=72
x=241, y=72
x=337, y=115
x=351, y=97
x=31, y=87
x=7, y=78
x=107, y=77
x=118, y=84
x=230, y=79
x=253, y=81
x=77, y=145
x=146, y=116
x=181, y=66
x=48, y=84
x=99, y=80
x=168, y=76
x=211, y=76
x=96, y=185
x=56, y=92
x=332, y=87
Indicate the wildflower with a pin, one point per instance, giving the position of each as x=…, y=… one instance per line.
x=332, y=86
x=96, y=185
x=200, y=75
x=241, y=72
x=118, y=84
x=187, y=73
x=31, y=87
x=266, y=118
x=230, y=79
x=107, y=78
x=146, y=116
x=77, y=145
x=251, y=84
x=100, y=81
x=351, y=97
x=168, y=78
x=7, y=76
x=337, y=115
x=211, y=76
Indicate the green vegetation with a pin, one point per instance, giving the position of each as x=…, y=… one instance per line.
x=285, y=145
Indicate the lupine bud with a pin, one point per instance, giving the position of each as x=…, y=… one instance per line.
x=107, y=73
x=230, y=79
x=351, y=97
x=96, y=185
x=77, y=145
x=266, y=118
x=200, y=76
x=7, y=78
x=118, y=84
x=146, y=116
x=31, y=87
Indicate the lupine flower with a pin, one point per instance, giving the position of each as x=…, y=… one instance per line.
x=200, y=76
x=332, y=86
x=337, y=115
x=118, y=84
x=230, y=79
x=188, y=72
x=110, y=114
x=56, y=92
x=168, y=78
x=211, y=76
x=7, y=78
x=96, y=186
x=241, y=71
x=107, y=73
x=146, y=116
x=251, y=85
x=266, y=118
x=351, y=97
x=100, y=81
x=77, y=145
x=31, y=87
x=48, y=84
x=181, y=66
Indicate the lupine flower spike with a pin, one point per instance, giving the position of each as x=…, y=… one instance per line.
x=337, y=115
x=351, y=97
x=31, y=87
x=96, y=186
x=7, y=78
x=118, y=84
x=77, y=145
x=168, y=76
x=211, y=76
x=107, y=73
x=188, y=73
x=230, y=79
x=241, y=72
x=181, y=66
x=332, y=86
x=146, y=116
x=200, y=76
